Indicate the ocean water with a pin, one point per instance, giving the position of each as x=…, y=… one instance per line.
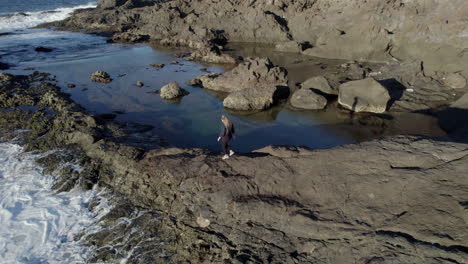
x=38, y=225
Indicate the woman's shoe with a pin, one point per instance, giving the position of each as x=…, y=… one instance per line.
x=231, y=152
x=225, y=157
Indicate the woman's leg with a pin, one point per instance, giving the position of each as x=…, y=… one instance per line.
x=225, y=141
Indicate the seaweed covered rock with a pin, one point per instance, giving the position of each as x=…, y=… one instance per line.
x=101, y=76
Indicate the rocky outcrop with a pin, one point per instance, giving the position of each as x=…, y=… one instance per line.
x=307, y=99
x=319, y=83
x=212, y=55
x=250, y=73
x=430, y=31
x=277, y=205
x=258, y=97
x=366, y=95
x=101, y=76
x=172, y=91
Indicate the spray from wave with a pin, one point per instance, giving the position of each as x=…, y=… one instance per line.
x=38, y=225
x=25, y=20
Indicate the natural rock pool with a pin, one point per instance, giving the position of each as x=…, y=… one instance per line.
x=193, y=121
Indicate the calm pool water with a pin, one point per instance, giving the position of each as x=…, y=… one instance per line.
x=194, y=120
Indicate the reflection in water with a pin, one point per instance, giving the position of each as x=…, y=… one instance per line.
x=193, y=121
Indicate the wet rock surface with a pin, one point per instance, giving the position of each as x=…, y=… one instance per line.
x=307, y=99
x=405, y=194
x=258, y=97
x=101, y=76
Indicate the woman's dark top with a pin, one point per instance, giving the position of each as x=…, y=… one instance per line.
x=225, y=133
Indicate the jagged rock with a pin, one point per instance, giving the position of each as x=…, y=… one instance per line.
x=319, y=83
x=212, y=55
x=455, y=81
x=101, y=76
x=259, y=97
x=172, y=91
x=307, y=99
x=250, y=73
x=129, y=37
x=157, y=65
x=365, y=95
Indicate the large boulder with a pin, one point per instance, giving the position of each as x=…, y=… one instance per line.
x=365, y=95
x=455, y=81
x=251, y=73
x=308, y=99
x=319, y=83
x=256, y=98
x=172, y=91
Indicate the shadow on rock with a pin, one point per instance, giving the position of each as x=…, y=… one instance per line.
x=395, y=89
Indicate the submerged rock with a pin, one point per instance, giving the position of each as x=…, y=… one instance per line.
x=172, y=91
x=4, y=66
x=157, y=65
x=307, y=99
x=260, y=97
x=43, y=49
x=364, y=96
x=101, y=76
x=251, y=73
x=319, y=83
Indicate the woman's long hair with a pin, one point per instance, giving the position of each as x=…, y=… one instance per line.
x=227, y=123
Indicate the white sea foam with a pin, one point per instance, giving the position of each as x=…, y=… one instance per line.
x=31, y=19
x=38, y=225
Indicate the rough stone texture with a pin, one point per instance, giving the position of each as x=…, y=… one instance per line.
x=260, y=97
x=290, y=46
x=455, y=81
x=250, y=73
x=172, y=91
x=364, y=96
x=425, y=30
x=394, y=200
x=319, y=83
x=101, y=76
x=212, y=55
x=307, y=99
x=107, y=4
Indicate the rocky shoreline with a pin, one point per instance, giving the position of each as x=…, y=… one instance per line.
x=406, y=204
x=401, y=199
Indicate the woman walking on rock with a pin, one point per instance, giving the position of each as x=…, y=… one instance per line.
x=226, y=134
